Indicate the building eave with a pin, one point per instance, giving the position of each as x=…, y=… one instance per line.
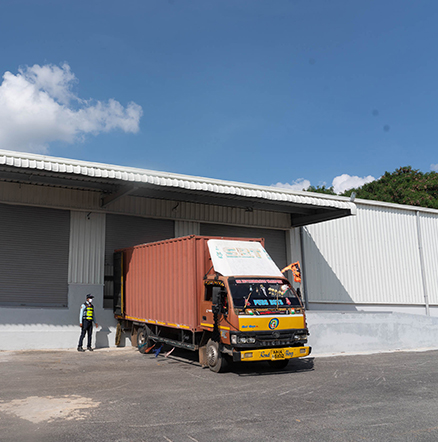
x=117, y=181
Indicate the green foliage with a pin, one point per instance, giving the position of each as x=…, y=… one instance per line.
x=322, y=189
x=404, y=186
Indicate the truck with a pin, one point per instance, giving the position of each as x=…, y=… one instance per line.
x=222, y=297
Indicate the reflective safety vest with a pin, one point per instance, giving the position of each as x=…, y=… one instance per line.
x=88, y=312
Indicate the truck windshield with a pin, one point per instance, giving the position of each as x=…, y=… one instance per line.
x=260, y=292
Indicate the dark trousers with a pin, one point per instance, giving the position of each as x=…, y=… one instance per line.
x=87, y=327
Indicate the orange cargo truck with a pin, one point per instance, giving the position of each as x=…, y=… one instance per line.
x=223, y=297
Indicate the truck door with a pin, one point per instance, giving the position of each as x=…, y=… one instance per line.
x=214, y=292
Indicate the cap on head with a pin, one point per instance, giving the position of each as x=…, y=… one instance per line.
x=89, y=296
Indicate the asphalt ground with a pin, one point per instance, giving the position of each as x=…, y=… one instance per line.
x=122, y=395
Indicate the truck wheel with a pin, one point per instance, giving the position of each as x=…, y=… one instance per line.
x=215, y=359
x=279, y=364
x=118, y=334
x=143, y=341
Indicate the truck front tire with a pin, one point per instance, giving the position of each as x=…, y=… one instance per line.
x=215, y=359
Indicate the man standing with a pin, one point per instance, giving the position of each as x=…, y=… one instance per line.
x=86, y=319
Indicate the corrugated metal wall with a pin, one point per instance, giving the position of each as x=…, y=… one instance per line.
x=185, y=228
x=87, y=248
x=136, y=206
x=372, y=258
x=429, y=235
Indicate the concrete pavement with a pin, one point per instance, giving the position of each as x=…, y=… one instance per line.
x=121, y=395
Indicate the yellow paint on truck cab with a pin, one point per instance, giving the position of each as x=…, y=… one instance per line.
x=271, y=322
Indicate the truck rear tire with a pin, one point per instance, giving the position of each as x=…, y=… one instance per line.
x=118, y=334
x=279, y=364
x=215, y=359
x=143, y=341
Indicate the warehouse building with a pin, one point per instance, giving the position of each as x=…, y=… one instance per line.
x=61, y=220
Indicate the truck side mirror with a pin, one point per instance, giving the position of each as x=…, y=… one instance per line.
x=216, y=298
x=223, y=302
x=299, y=292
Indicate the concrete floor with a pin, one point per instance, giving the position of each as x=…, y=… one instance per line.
x=121, y=395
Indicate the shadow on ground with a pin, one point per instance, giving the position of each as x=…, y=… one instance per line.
x=190, y=358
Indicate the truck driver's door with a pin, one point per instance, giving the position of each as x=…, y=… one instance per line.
x=212, y=291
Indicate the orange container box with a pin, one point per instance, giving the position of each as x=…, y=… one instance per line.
x=163, y=281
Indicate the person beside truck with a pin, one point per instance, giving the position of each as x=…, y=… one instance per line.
x=86, y=318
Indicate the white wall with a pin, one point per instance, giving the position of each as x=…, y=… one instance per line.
x=51, y=328
x=373, y=258
x=361, y=332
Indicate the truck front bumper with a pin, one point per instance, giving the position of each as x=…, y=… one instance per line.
x=271, y=354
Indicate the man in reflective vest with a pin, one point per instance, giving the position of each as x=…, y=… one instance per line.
x=86, y=319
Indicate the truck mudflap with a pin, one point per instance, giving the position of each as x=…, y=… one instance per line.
x=271, y=354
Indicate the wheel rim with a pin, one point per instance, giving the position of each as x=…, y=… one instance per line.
x=212, y=355
x=141, y=338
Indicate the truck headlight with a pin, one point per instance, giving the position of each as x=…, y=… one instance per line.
x=236, y=339
x=301, y=338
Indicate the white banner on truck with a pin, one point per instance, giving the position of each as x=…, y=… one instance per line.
x=241, y=258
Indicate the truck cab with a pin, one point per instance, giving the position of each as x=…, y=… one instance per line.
x=251, y=317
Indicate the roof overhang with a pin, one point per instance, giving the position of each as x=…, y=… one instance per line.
x=115, y=182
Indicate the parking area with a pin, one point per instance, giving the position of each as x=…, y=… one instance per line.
x=121, y=395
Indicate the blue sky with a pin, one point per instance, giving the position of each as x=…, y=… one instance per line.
x=263, y=92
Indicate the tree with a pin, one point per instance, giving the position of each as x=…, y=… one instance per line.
x=322, y=189
x=403, y=186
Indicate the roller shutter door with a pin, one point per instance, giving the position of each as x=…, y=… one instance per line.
x=127, y=231
x=275, y=240
x=34, y=247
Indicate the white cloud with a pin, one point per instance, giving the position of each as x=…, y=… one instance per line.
x=299, y=184
x=345, y=182
x=340, y=183
x=434, y=167
x=38, y=106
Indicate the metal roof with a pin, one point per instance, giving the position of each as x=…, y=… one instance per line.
x=117, y=181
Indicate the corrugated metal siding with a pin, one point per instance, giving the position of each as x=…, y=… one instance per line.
x=275, y=240
x=200, y=212
x=87, y=248
x=46, y=196
x=145, y=207
x=429, y=234
x=370, y=258
x=34, y=249
x=185, y=228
